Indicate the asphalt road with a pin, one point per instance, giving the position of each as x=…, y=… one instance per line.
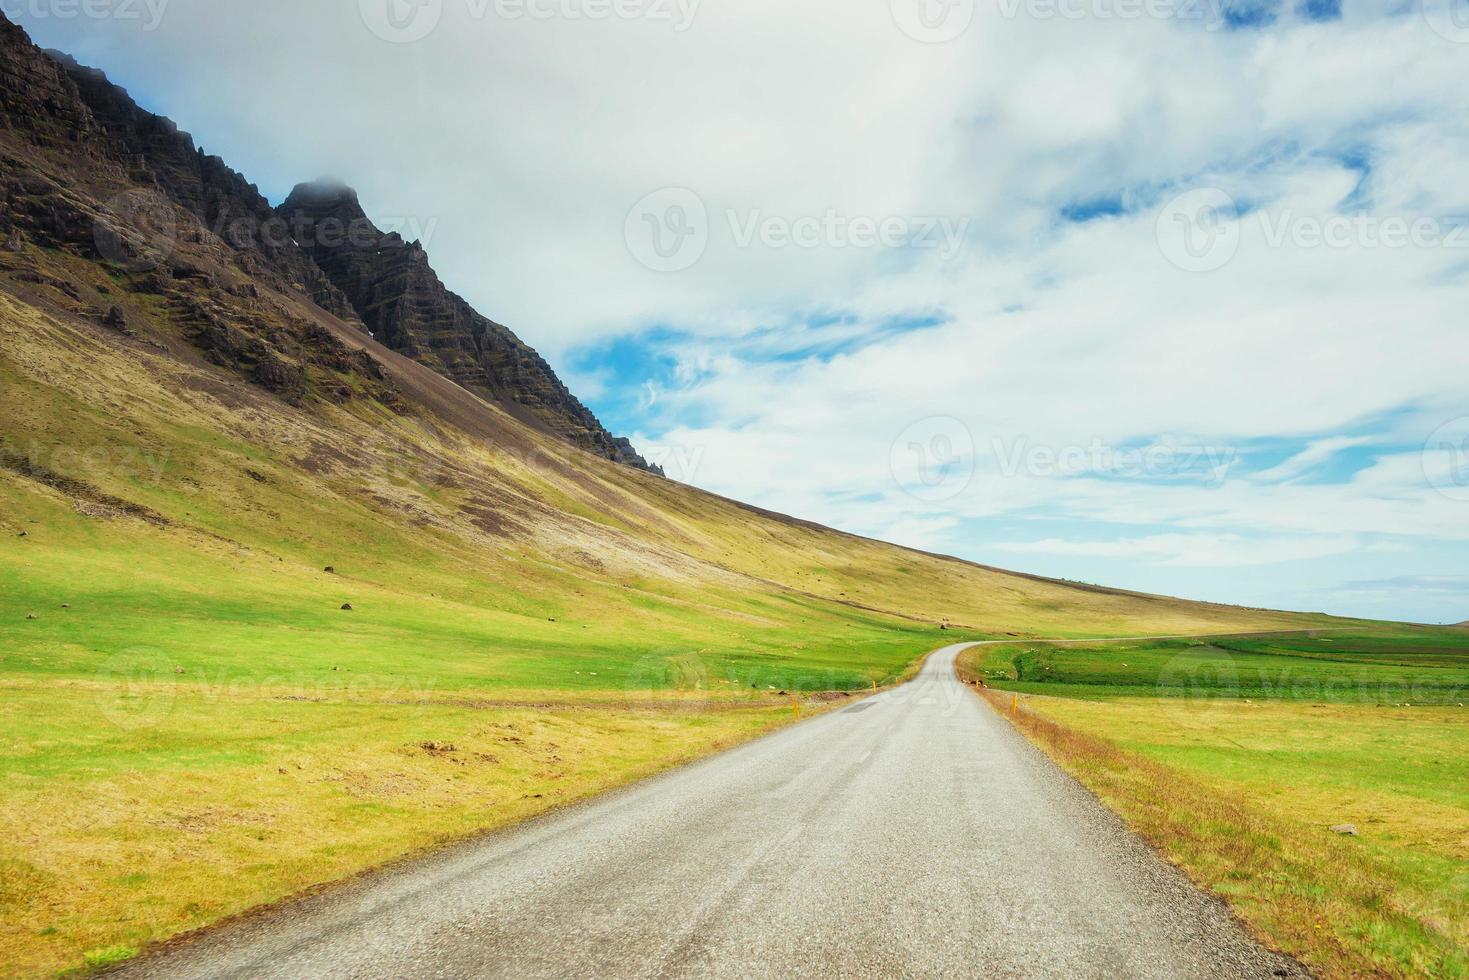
x=910, y=834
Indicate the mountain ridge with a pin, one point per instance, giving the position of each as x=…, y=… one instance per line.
x=399, y=297
x=227, y=203
x=148, y=151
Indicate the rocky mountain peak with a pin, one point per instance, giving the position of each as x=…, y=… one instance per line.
x=88, y=132
x=328, y=189
x=400, y=298
x=322, y=198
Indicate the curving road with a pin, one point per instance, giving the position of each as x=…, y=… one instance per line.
x=911, y=834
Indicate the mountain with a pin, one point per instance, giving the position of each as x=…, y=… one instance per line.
x=308, y=397
x=365, y=276
x=157, y=155
x=400, y=298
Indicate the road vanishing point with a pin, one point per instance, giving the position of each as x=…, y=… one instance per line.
x=914, y=833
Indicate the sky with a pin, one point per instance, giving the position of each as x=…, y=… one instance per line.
x=1162, y=294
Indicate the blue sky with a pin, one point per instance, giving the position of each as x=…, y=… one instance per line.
x=1170, y=300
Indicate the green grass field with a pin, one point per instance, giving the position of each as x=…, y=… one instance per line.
x=1378, y=665
x=124, y=598
x=1234, y=755
x=192, y=729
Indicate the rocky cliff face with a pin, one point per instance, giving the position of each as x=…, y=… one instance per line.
x=228, y=205
x=36, y=97
x=82, y=167
x=402, y=301
x=109, y=214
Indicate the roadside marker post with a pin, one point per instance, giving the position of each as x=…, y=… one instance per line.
x=1014, y=705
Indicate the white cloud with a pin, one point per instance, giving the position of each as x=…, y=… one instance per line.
x=1303, y=462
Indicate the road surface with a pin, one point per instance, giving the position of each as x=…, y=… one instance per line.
x=914, y=833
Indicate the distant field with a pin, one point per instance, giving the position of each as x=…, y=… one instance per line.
x=1235, y=756
x=1381, y=665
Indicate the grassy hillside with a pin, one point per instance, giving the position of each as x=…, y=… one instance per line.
x=194, y=726
x=179, y=508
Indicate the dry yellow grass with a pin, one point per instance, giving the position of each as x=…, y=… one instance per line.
x=111, y=839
